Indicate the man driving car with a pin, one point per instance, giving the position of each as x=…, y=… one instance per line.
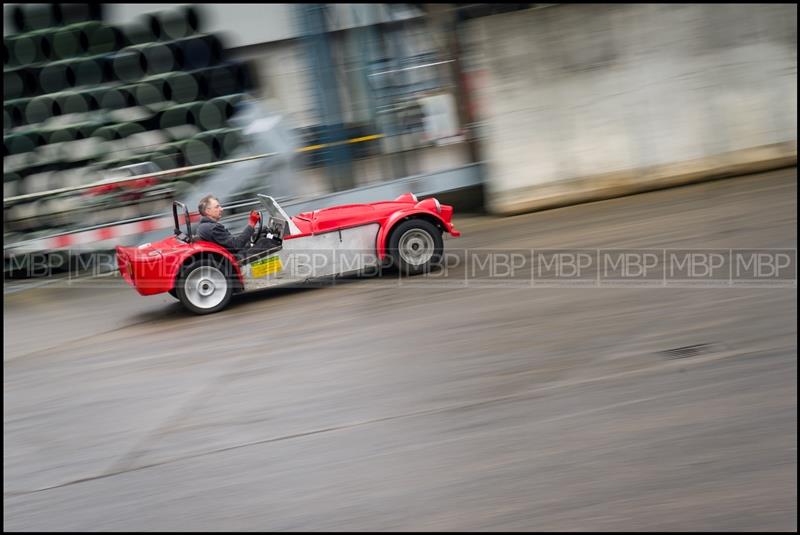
x=210, y=229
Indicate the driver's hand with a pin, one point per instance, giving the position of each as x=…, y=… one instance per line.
x=254, y=218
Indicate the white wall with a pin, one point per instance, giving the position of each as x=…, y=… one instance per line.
x=572, y=92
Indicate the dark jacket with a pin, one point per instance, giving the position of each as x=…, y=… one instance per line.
x=210, y=230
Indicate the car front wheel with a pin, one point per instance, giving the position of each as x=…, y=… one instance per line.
x=415, y=245
x=204, y=286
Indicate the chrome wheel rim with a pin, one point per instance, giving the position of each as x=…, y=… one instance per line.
x=206, y=287
x=416, y=247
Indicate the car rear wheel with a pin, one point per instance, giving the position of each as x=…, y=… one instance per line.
x=204, y=286
x=415, y=245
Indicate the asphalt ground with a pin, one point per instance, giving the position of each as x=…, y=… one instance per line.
x=458, y=400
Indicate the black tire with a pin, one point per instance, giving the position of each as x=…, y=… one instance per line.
x=414, y=246
x=205, y=286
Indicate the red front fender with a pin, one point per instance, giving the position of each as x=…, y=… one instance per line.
x=391, y=222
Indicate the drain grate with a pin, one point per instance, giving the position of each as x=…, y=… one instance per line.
x=686, y=351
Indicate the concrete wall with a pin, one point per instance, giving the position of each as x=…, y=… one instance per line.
x=580, y=102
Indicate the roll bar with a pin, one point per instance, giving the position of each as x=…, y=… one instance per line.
x=188, y=237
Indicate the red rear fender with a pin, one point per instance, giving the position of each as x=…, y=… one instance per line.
x=155, y=270
x=199, y=249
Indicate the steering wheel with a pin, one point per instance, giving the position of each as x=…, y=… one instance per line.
x=259, y=228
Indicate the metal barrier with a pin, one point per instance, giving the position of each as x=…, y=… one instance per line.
x=310, y=148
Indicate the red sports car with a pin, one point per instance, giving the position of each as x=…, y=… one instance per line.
x=404, y=233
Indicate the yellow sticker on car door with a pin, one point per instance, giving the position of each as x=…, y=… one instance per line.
x=267, y=266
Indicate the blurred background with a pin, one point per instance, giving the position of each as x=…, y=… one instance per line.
x=518, y=106
x=342, y=96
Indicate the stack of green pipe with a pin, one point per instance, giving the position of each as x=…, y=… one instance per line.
x=29, y=48
x=199, y=51
x=196, y=152
x=222, y=141
x=73, y=102
x=94, y=97
x=160, y=58
x=181, y=87
x=149, y=95
x=211, y=115
x=16, y=110
x=129, y=64
x=118, y=97
x=216, y=112
x=173, y=24
x=56, y=76
x=91, y=70
x=103, y=39
x=41, y=108
x=76, y=39
x=13, y=84
x=138, y=33
x=181, y=114
x=178, y=87
x=180, y=23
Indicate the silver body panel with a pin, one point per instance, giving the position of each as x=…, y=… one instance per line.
x=322, y=255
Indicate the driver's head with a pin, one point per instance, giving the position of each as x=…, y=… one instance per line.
x=209, y=206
